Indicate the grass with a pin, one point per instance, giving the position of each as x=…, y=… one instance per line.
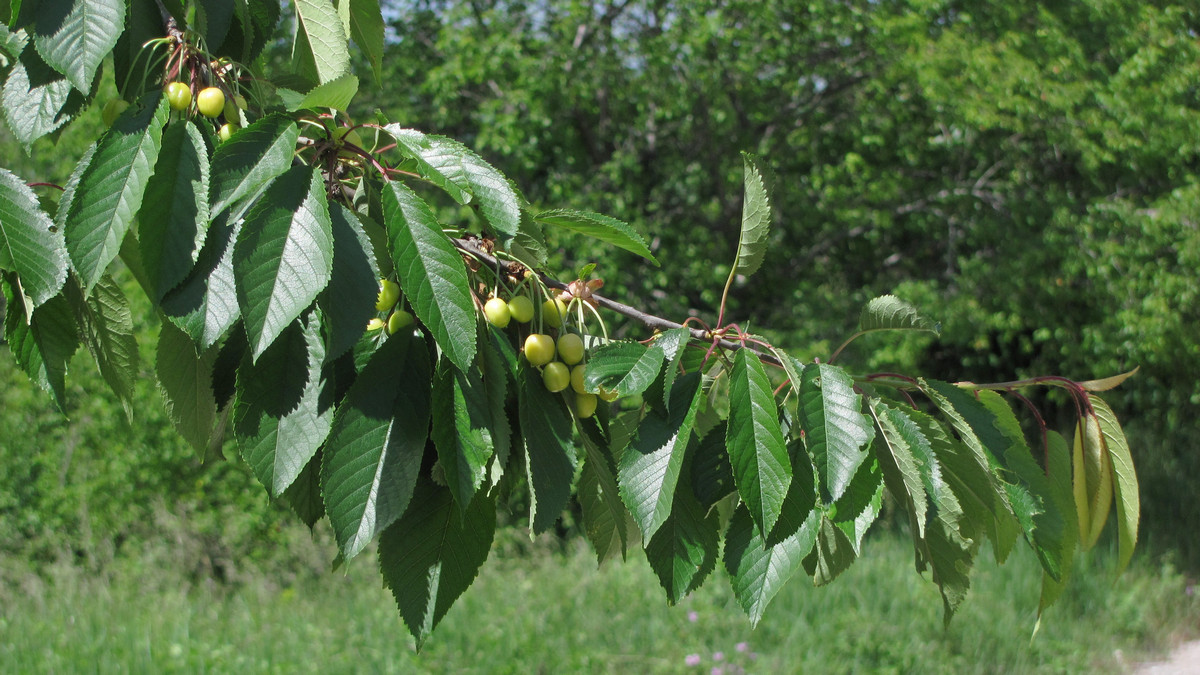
x=548, y=612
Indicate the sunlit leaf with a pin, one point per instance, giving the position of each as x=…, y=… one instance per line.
x=754, y=439
x=756, y=219
x=1124, y=479
x=30, y=244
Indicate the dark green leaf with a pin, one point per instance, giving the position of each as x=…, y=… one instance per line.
x=243, y=165
x=348, y=302
x=550, y=454
x=712, y=475
x=604, y=515
x=43, y=346
x=281, y=414
x=366, y=29
x=431, y=273
x=283, y=256
x=432, y=554
x=304, y=494
x=106, y=327
x=835, y=552
x=205, y=305
x=758, y=571
x=461, y=429
x=651, y=464
x=373, y=455
x=173, y=220
x=683, y=551
x=185, y=378
x=901, y=471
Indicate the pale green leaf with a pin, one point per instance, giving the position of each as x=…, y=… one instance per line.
x=283, y=256
x=336, y=93
x=205, y=305
x=321, y=39
x=1124, y=478
x=110, y=189
x=36, y=100
x=901, y=471
x=888, y=312
x=30, y=244
x=74, y=36
x=627, y=368
x=757, y=452
x=604, y=228
x=756, y=219
x=431, y=273
x=835, y=428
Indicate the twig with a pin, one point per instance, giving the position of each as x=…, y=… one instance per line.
x=648, y=320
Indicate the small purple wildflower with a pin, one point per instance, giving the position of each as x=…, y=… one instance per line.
x=693, y=616
x=718, y=656
x=1191, y=590
x=742, y=646
x=717, y=670
x=692, y=660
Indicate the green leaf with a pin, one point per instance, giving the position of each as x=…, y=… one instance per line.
x=461, y=429
x=1003, y=526
x=431, y=273
x=348, y=302
x=834, y=552
x=36, y=100
x=627, y=368
x=888, y=312
x=966, y=475
x=754, y=439
x=106, y=327
x=756, y=219
x=304, y=494
x=185, y=379
x=604, y=514
x=496, y=377
x=712, y=474
x=464, y=175
x=205, y=305
x=904, y=475
x=550, y=454
x=1058, y=472
x=243, y=165
x=607, y=229
x=683, y=551
x=173, y=219
x=758, y=571
x=283, y=256
x=321, y=40
x=366, y=29
x=30, y=244
x=74, y=37
x=651, y=464
x=432, y=554
x=373, y=455
x=283, y=412
x=336, y=93
x=801, y=497
x=110, y=189
x=1125, y=483
x=835, y=428
x=672, y=343
x=43, y=346
x=857, y=510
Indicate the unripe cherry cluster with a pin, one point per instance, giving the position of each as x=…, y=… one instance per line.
x=210, y=102
x=541, y=349
x=386, y=301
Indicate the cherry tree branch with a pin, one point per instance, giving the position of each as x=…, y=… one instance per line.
x=651, y=321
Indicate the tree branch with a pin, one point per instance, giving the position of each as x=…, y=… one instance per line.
x=469, y=247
